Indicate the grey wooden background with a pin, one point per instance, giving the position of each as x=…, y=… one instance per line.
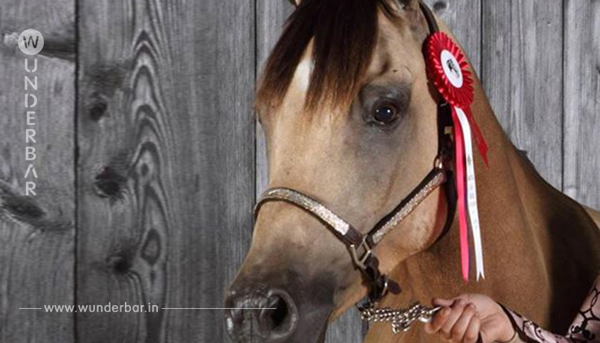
x=150, y=158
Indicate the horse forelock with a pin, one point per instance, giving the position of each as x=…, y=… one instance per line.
x=343, y=35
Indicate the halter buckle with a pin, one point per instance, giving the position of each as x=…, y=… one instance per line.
x=360, y=261
x=438, y=162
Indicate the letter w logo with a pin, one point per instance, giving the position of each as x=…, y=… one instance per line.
x=29, y=40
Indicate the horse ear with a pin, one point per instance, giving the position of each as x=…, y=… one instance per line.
x=295, y=2
x=409, y=5
x=412, y=9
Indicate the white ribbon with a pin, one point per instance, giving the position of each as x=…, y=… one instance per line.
x=472, y=192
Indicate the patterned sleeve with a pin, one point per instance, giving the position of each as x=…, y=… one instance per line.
x=585, y=327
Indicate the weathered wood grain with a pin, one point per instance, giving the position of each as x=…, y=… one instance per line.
x=166, y=175
x=37, y=232
x=582, y=101
x=522, y=75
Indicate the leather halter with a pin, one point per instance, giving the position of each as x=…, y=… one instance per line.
x=360, y=246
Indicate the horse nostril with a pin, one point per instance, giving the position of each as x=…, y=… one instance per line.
x=280, y=313
x=276, y=317
x=267, y=314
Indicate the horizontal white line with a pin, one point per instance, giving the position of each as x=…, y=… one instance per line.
x=219, y=308
x=188, y=308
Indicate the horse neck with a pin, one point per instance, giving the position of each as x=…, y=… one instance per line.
x=522, y=221
x=505, y=228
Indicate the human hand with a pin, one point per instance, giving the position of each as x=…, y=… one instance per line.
x=470, y=317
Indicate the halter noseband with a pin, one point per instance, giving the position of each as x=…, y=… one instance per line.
x=360, y=246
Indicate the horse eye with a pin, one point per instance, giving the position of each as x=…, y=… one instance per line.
x=385, y=114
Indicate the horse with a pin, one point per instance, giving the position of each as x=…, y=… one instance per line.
x=350, y=118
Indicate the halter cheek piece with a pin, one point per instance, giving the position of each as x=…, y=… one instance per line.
x=360, y=246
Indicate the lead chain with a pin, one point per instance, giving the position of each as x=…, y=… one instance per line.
x=401, y=319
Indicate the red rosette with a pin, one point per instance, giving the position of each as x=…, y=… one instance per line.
x=457, y=88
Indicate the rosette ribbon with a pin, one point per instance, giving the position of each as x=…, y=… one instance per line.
x=447, y=68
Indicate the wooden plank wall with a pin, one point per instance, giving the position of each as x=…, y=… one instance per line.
x=166, y=175
x=37, y=234
x=151, y=158
x=582, y=101
x=522, y=74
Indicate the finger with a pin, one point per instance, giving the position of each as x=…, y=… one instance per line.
x=460, y=327
x=457, y=310
x=438, y=320
x=472, y=334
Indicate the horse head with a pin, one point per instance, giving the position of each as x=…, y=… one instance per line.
x=349, y=119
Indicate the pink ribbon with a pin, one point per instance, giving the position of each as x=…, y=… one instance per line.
x=461, y=189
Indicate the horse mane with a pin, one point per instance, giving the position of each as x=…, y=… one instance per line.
x=344, y=35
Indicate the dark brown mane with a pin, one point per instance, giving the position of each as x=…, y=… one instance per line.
x=345, y=35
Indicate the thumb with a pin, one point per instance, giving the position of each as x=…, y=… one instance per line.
x=449, y=302
x=442, y=302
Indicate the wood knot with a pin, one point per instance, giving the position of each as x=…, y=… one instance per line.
x=22, y=207
x=109, y=183
x=97, y=108
x=440, y=6
x=120, y=263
